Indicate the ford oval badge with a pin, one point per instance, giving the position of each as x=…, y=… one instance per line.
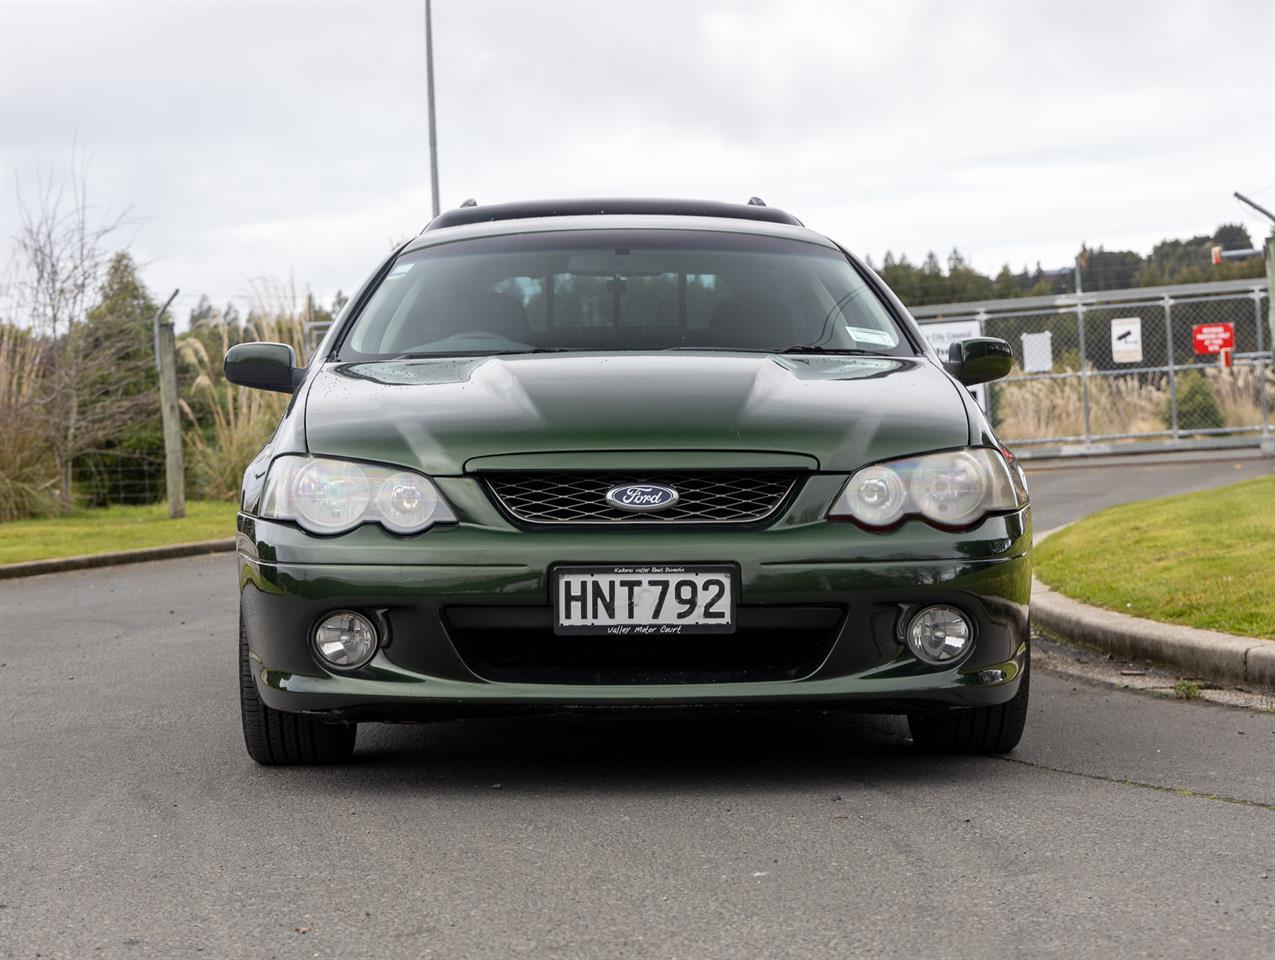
x=642, y=497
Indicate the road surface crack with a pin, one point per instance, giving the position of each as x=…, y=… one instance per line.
x=1159, y=788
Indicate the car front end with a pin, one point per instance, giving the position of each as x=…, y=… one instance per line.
x=571, y=524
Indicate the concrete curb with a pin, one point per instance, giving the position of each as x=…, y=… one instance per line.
x=1199, y=653
x=33, y=568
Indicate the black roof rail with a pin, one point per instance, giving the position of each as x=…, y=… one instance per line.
x=471, y=212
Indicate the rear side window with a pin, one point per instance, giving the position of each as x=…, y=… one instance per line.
x=621, y=290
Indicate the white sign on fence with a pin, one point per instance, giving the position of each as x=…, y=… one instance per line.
x=1126, y=340
x=942, y=335
x=1038, y=352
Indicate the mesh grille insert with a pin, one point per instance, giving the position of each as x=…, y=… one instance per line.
x=721, y=496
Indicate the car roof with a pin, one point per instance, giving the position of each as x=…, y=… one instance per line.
x=434, y=236
x=472, y=212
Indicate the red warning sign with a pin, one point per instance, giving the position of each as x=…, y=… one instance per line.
x=1213, y=337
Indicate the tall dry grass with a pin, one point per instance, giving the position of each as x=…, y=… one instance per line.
x=1036, y=409
x=1237, y=390
x=228, y=424
x=28, y=480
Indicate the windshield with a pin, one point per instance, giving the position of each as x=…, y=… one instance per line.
x=608, y=290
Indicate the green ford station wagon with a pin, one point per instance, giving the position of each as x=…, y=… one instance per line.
x=628, y=453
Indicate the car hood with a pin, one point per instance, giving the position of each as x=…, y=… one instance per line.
x=441, y=415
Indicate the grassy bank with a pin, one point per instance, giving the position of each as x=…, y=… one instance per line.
x=113, y=528
x=1203, y=559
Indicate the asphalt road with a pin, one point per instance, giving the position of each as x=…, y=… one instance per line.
x=132, y=824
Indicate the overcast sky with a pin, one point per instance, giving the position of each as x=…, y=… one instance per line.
x=290, y=139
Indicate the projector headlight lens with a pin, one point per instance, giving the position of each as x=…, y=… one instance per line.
x=325, y=495
x=407, y=502
x=952, y=489
x=877, y=495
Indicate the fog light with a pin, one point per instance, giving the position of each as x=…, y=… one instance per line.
x=939, y=634
x=345, y=640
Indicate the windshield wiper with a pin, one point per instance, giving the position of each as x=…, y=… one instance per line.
x=832, y=351
x=711, y=349
x=445, y=354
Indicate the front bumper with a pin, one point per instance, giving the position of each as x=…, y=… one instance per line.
x=440, y=596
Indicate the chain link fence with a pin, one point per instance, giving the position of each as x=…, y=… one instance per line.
x=1124, y=365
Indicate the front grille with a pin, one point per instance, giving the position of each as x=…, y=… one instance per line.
x=709, y=496
x=518, y=645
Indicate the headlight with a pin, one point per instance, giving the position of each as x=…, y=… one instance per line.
x=324, y=495
x=952, y=489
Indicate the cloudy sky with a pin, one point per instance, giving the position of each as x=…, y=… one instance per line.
x=290, y=139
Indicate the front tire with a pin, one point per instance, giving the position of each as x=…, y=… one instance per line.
x=977, y=730
x=275, y=738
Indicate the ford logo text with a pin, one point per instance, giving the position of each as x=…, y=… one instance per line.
x=642, y=497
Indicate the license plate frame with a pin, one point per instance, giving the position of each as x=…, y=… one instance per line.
x=664, y=626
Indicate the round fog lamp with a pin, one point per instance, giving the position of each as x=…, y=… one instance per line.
x=939, y=634
x=345, y=640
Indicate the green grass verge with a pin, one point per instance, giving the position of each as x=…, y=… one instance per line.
x=1203, y=559
x=113, y=528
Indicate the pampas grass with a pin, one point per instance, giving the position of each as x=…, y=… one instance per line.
x=1133, y=404
x=230, y=424
x=1054, y=408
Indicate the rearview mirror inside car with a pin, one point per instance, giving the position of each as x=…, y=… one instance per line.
x=979, y=359
x=618, y=263
x=265, y=366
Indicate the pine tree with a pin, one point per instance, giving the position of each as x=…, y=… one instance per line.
x=125, y=464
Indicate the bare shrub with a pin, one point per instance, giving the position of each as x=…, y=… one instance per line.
x=27, y=477
x=84, y=396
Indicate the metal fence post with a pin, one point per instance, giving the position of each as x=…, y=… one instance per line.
x=1173, y=370
x=1261, y=363
x=1084, y=368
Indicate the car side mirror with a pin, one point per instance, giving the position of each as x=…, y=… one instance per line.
x=264, y=366
x=979, y=359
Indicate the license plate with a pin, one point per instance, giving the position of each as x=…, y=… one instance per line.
x=645, y=599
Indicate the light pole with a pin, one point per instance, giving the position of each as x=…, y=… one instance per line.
x=1270, y=262
x=429, y=92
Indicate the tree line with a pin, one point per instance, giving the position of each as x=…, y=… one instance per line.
x=1170, y=261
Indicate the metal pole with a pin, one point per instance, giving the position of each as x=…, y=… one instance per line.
x=1084, y=368
x=429, y=92
x=166, y=364
x=1173, y=372
x=1079, y=288
x=1270, y=287
x=1255, y=205
x=1261, y=364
